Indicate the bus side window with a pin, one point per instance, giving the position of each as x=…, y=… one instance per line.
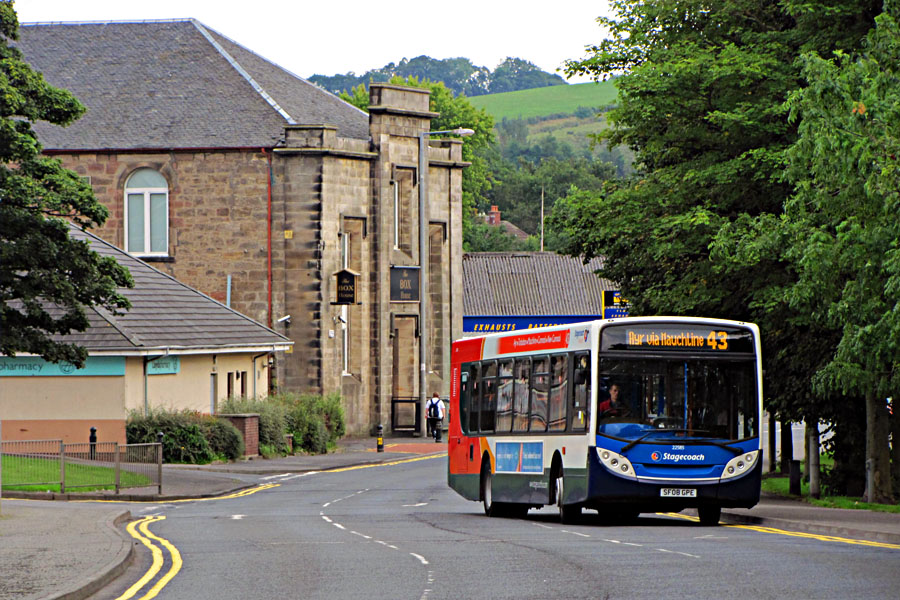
x=474, y=397
x=540, y=387
x=559, y=391
x=505, y=396
x=522, y=375
x=488, y=396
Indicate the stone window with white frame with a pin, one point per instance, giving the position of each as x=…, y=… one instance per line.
x=147, y=213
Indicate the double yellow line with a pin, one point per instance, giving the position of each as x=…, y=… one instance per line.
x=140, y=530
x=799, y=534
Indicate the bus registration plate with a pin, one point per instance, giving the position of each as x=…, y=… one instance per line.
x=678, y=492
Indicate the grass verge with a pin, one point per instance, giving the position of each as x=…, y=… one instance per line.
x=780, y=486
x=25, y=476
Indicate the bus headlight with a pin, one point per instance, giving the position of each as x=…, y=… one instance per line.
x=616, y=463
x=740, y=465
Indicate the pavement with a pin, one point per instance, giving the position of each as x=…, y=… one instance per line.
x=60, y=547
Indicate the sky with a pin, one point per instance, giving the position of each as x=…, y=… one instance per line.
x=337, y=36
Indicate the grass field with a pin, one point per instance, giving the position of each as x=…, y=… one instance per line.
x=552, y=100
x=78, y=476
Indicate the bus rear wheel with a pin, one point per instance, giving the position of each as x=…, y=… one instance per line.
x=709, y=515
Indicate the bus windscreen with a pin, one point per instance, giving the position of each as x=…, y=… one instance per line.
x=677, y=399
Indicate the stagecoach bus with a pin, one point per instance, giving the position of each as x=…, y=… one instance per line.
x=623, y=416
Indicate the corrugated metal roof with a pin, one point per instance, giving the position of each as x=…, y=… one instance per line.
x=173, y=84
x=531, y=283
x=165, y=313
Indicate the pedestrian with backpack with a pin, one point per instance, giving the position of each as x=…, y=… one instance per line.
x=434, y=410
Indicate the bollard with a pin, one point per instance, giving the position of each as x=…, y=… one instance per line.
x=159, y=461
x=93, y=440
x=380, y=438
x=795, y=478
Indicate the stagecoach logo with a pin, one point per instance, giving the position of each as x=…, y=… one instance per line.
x=582, y=336
x=680, y=457
x=656, y=457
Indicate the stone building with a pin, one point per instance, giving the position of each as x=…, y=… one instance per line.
x=257, y=188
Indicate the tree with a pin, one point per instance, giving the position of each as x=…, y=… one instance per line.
x=46, y=277
x=701, y=104
x=460, y=76
x=847, y=174
x=517, y=74
x=518, y=190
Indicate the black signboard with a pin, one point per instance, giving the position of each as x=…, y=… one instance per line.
x=404, y=284
x=677, y=337
x=347, y=284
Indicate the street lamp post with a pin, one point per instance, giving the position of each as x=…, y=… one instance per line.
x=423, y=263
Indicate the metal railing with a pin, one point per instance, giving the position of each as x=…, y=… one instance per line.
x=41, y=465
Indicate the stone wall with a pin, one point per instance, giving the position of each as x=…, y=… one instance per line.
x=217, y=217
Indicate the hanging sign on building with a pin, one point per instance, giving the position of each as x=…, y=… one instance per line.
x=347, y=284
x=164, y=365
x=404, y=284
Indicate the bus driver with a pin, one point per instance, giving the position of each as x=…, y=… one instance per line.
x=612, y=404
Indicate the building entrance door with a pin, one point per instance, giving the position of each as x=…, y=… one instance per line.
x=405, y=385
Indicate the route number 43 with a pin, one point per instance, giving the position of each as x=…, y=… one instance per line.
x=717, y=340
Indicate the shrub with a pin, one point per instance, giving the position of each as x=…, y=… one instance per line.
x=272, y=425
x=315, y=421
x=315, y=437
x=224, y=438
x=333, y=413
x=183, y=440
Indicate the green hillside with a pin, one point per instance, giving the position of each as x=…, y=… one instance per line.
x=543, y=101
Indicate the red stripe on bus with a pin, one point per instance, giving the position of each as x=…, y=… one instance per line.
x=529, y=342
x=468, y=350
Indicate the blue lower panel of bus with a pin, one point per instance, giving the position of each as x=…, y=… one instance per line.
x=605, y=488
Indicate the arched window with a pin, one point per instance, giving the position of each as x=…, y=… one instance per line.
x=147, y=213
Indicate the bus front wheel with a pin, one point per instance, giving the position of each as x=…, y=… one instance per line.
x=709, y=515
x=568, y=513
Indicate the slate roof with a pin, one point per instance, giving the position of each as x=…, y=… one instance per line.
x=166, y=314
x=173, y=84
x=531, y=283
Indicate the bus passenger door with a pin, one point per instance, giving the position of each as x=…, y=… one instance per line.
x=461, y=448
x=581, y=393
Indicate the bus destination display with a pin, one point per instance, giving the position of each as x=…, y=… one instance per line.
x=674, y=338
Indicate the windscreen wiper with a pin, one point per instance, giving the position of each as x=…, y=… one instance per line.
x=633, y=443
x=736, y=451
